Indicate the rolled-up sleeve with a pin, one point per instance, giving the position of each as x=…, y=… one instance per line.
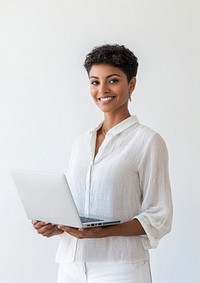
x=156, y=210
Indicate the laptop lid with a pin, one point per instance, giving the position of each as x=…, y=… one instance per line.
x=47, y=197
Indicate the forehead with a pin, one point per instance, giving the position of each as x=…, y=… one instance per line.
x=104, y=70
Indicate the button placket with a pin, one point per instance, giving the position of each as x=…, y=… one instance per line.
x=94, y=160
x=88, y=177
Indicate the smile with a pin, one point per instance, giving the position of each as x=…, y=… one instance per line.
x=106, y=99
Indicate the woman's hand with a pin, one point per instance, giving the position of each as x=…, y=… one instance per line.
x=81, y=233
x=46, y=229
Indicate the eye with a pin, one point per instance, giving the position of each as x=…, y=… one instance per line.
x=94, y=83
x=113, y=81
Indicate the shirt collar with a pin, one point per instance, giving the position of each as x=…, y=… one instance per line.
x=119, y=127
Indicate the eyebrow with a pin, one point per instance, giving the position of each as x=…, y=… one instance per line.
x=93, y=77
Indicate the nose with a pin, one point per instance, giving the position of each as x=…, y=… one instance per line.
x=103, y=88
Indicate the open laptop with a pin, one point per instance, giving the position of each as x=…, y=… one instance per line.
x=47, y=197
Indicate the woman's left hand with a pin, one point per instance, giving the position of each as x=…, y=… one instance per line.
x=81, y=233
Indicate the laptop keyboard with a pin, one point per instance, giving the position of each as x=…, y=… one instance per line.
x=88, y=219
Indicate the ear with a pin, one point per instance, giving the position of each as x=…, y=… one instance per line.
x=132, y=84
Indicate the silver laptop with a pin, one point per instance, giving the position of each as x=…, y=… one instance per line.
x=47, y=197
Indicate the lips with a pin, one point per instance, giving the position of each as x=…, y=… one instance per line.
x=106, y=99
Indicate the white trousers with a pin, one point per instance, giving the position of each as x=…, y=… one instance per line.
x=104, y=272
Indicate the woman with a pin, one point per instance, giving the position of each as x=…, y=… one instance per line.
x=119, y=169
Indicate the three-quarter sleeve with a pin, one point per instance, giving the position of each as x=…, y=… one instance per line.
x=156, y=210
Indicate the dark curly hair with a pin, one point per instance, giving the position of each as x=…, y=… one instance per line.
x=115, y=55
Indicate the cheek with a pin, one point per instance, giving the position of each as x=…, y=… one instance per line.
x=124, y=93
x=93, y=92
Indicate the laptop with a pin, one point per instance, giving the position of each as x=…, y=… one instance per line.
x=47, y=197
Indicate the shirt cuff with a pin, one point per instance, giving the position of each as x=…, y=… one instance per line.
x=148, y=241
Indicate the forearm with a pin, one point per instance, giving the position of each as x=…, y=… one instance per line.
x=129, y=228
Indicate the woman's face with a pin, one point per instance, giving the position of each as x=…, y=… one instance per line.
x=109, y=88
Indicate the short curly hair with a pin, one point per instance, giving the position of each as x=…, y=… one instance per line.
x=115, y=55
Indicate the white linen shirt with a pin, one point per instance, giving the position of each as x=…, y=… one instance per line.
x=127, y=179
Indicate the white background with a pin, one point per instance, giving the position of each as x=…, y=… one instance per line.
x=45, y=104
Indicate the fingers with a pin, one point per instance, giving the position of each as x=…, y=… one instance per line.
x=82, y=233
x=46, y=229
x=52, y=232
x=49, y=230
x=38, y=224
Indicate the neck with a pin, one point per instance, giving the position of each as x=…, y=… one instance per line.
x=111, y=120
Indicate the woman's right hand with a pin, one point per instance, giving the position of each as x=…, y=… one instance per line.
x=46, y=229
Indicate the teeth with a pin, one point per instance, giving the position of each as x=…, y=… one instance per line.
x=106, y=98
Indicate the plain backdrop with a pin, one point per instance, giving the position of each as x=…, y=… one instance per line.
x=45, y=104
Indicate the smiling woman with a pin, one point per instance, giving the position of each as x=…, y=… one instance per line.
x=110, y=89
x=118, y=170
